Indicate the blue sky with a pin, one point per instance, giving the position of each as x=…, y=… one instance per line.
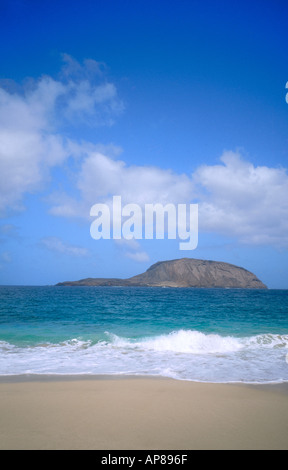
x=159, y=101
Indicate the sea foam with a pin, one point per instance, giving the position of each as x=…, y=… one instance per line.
x=182, y=341
x=181, y=354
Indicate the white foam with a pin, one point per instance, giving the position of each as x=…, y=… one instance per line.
x=182, y=354
x=267, y=341
x=196, y=342
x=183, y=341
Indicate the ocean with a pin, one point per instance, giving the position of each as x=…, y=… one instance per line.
x=207, y=335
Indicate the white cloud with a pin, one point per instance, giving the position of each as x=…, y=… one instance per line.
x=57, y=245
x=25, y=160
x=100, y=177
x=88, y=96
x=244, y=201
x=236, y=198
x=132, y=249
x=90, y=70
x=30, y=124
x=139, y=256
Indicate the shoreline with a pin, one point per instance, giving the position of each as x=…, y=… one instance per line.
x=140, y=412
x=34, y=377
x=20, y=378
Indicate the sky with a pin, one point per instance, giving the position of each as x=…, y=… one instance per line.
x=168, y=102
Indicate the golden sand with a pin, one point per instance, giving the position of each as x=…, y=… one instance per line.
x=141, y=413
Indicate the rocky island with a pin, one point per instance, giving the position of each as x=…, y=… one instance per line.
x=185, y=272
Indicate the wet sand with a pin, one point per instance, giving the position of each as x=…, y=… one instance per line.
x=109, y=413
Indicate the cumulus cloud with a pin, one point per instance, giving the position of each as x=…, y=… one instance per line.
x=87, y=95
x=235, y=197
x=139, y=256
x=244, y=201
x=100, y=177
x=137, y=184
x=59, y=246
x=132, y=249
x=31, y=119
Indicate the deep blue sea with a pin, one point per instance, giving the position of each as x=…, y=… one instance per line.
x=209, y=335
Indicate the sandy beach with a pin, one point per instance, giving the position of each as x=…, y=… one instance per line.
x=108, y=413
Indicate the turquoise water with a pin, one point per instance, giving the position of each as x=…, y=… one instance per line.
x=213, y=335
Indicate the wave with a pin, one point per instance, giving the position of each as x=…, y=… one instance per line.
x=180, y=341
x=181, y=354
x=196, y=342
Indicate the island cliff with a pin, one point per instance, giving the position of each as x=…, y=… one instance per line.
x=185, y=272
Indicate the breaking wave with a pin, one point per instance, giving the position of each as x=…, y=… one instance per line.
x=181, y=354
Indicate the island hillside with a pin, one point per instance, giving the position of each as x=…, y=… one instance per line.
x=185, y=272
